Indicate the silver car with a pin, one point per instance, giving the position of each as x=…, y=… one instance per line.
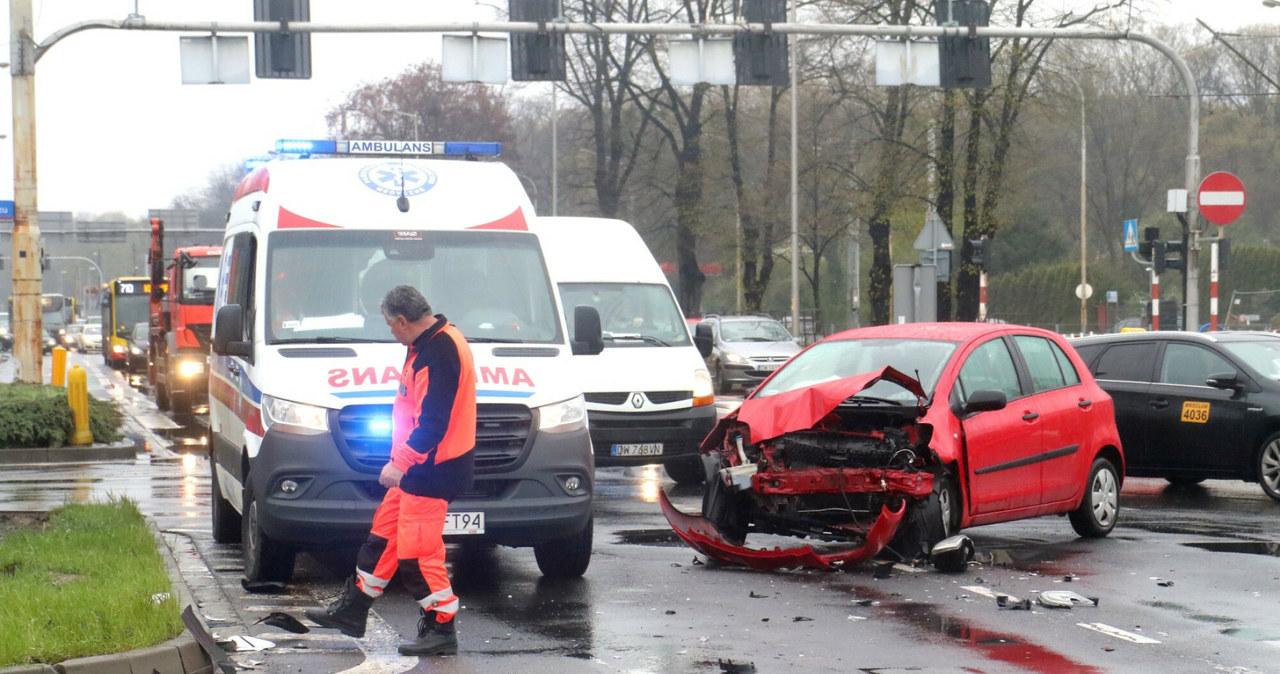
x=745, y=349
x=91, y=337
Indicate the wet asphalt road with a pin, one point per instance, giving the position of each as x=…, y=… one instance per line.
x=1188, y=582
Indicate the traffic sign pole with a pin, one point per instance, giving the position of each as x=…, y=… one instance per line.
x=1155, y=299
x=1213, y=285
x=1222, y=200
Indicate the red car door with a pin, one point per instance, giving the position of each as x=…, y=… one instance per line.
x=1066, y=414
x=1001, y=446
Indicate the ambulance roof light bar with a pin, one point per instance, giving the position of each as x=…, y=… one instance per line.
x=406, y=148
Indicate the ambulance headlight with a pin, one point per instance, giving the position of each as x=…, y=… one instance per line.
x=563, y=417
x=287, y=416
x=190, y=368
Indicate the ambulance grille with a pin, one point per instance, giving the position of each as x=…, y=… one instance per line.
x=502, y=431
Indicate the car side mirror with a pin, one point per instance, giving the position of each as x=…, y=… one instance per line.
x=588, y=338
x=1229, y=381
x=228, y=332
x=704, y=339
x=985, y=401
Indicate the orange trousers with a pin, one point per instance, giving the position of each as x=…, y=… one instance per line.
x=408, y=534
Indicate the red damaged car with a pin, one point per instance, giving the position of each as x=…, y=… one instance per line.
x=899, y=436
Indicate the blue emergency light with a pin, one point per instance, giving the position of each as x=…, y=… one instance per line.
x=380, y=426
x=405, y=148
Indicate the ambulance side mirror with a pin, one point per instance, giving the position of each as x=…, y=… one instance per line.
x=228, y=332
x=588, y=338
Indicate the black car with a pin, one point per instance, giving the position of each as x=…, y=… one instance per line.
x=139, y=345
x=1193, y=406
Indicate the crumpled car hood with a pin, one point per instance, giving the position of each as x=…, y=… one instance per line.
x=803, y=408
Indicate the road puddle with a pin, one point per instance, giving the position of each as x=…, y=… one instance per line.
x=1264, y=548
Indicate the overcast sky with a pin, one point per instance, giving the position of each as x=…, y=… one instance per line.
x=117, y=131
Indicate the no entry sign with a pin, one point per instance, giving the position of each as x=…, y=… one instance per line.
x=1221, y=198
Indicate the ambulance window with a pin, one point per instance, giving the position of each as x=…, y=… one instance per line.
x=238, y=276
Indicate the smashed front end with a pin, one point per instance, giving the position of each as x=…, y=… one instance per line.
x=842, y=473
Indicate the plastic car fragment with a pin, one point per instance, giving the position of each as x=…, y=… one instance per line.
x=1065, y=599
x=703, y=536
x=952, y=554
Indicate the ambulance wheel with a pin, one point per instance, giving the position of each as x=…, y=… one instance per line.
x=265, y=560
x=225, y=519
x=686, y=469
x=566, y=557
x=162, y=397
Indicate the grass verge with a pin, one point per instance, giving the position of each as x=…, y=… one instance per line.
x=83, y=584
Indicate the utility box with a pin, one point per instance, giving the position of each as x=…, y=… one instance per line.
x=915, y=293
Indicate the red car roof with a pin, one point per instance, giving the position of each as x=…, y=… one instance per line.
x=954, y=332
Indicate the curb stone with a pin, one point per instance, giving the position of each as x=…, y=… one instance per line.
x=124, y=450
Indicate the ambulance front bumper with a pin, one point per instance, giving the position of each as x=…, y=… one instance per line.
x=313, y=494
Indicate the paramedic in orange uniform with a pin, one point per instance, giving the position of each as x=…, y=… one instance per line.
x=433, y=437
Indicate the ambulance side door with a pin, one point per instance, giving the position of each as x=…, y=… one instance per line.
x=232, y=408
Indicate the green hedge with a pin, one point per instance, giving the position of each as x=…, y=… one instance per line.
x=32, y=415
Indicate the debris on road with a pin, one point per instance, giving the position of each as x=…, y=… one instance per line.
x=952, y=554
x=736, y=667
x=284, y=621
x=1065, y=599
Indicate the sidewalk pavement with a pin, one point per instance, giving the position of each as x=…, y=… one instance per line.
x=180, y=655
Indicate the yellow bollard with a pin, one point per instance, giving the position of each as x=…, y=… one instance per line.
x=59, y=375
x=78, y=398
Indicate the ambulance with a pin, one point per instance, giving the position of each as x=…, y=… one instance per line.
x=649, y=395
x=304, y=368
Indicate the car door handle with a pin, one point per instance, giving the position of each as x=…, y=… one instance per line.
x=1085, y=403
x=1159, y=403
x=233, y=369
x=1030, y=416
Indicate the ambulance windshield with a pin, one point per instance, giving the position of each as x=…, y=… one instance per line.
x=325, y=286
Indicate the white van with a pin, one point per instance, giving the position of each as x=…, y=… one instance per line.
x=304, y=369
x=649, y=394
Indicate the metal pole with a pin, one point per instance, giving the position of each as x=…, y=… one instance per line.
x=1084, y=312
x=555, y=151
x=1213, y=286
x=1155, y=299
x=27, y=275
x=795, y=180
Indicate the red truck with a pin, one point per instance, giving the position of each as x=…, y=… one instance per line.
x=182, y=289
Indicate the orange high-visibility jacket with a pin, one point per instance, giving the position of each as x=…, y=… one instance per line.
x=434, y=417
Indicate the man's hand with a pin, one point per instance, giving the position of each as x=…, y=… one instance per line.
x=390, y=476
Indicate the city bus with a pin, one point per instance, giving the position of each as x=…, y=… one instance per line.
x=57, y=311
x=126, y=302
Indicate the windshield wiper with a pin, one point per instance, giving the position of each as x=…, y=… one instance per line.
x=648, y=339
x=332, y=340
x=494, y=340
x=858, y=399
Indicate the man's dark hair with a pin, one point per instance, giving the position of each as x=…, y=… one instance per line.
x=405, y=301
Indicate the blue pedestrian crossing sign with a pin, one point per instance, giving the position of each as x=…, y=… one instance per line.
x=1131, y=236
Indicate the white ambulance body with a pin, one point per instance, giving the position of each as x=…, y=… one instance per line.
x=305, y=369
x=649, y=394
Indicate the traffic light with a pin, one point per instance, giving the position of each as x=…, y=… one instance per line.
x=964, y=61
x=1174, y=256
x=979, y=251
x=762, y=59
x=536, y=57
x=1159, y=249
x=282, y=55
x=1149, y=236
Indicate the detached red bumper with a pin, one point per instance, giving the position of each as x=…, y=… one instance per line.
x=703, y=536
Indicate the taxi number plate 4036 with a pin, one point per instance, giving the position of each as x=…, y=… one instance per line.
x=640, y=449
x=463, y=523
x=1195, y=412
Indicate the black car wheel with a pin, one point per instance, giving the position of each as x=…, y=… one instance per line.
x=1269, y=467
x=723, y=387
x=566, y=557
x=265, y=560
x=1098, y=510
x=686, y=469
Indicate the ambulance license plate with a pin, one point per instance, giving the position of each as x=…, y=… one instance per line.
x=640, y=449
x=456, y=524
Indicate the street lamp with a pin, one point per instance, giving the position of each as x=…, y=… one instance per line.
x=410, y=115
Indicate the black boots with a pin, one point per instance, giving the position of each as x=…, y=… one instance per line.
x=434, y=638
x=348, y=614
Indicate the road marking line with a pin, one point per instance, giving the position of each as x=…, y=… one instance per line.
x=1103, y=628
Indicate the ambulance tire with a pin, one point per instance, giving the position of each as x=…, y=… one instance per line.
x=265, y=560
x=225, y=519
x=566, y=557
